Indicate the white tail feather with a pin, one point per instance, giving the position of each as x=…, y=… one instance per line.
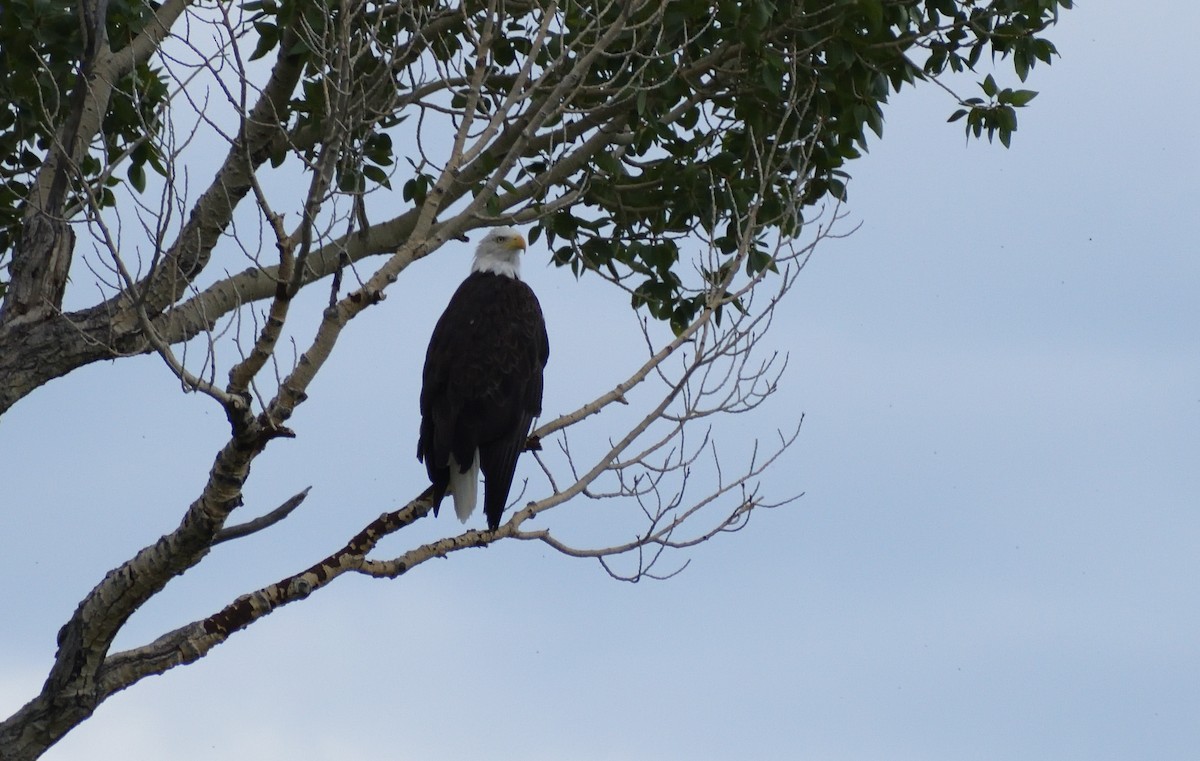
x=464, y=487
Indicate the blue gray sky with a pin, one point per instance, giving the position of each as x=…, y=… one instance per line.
x=995, y=557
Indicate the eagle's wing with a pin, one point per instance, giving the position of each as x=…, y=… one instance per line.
x=522, y=353
x=440, y=403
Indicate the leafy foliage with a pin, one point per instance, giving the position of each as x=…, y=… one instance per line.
x=709, y=145
x=733, y=108
x=40, y=49
x=999, y=114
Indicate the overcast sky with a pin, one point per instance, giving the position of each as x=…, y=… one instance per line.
x=997, y=555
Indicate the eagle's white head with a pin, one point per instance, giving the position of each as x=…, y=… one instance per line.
x=500, y=252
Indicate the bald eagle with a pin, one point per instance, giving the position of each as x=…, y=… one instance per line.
x=482, y=383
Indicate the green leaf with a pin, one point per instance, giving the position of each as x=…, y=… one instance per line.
x=137, y=177
x=873, y=10
x=1021, y=97
x=376, y=175
x=268, y=38
x=1007, y=118
x=758, y=260
x=350, y=181
x=1021, y=63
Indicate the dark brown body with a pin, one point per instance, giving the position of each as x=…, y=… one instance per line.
x=482, y=385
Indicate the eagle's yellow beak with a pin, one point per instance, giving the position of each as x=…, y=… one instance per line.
x=517, y=243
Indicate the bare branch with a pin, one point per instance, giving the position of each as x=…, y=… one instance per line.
x=263, y=521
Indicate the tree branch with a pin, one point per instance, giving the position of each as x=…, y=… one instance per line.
x=263, y=521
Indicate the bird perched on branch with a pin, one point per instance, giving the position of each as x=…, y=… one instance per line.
x=482, y=383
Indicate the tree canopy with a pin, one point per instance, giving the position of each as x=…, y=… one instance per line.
x=715, y=106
